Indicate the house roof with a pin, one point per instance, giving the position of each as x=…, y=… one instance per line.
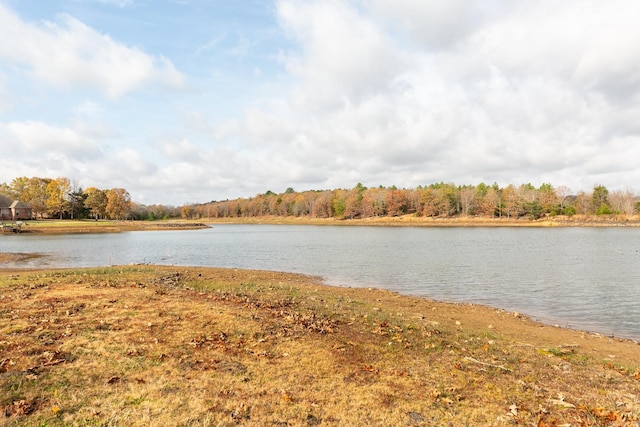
x=5, y=202
x=20, y=205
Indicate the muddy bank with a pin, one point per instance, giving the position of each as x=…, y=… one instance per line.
x=6, y=257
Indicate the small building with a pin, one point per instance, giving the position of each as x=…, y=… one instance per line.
x=13, y=210
x=5, y=209
x=20, y=210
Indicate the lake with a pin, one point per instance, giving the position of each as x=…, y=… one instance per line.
x=583, y=278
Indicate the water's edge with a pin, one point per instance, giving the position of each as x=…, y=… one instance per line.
x=584, y=279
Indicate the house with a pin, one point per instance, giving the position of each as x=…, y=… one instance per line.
x=20, y=210
x=13, y=210
x=5, y=209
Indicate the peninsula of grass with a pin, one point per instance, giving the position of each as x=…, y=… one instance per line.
x=50, y=226
x=157, y=346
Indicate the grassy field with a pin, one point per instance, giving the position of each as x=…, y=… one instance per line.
x=157, y=346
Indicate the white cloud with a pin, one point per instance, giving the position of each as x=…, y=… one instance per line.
x=182, y=150
x=343, y=55
x=68, y=53
x=35, y=138
x=40, y=149
x=131, y=164
x=225, y=130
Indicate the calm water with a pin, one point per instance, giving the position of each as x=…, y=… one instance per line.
x=585, y=278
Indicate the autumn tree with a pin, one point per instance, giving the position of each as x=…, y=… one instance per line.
x=428, y=202
x=164, y=212
x=548, y=199
x=322, y=206
x=96, y=202
x=118, y=203
x=18, y=188
x=187, y=212
x=288, y=202
x=5, y=190
x=486, y=200
x=374, y=202
x=57, y=196
x=303, y=203
x=396, y=202
x=510, y=201
x=36, y=195
x=353, y=202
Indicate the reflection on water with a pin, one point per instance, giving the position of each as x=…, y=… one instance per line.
x=586, y=278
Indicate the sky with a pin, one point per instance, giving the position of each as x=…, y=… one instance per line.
x=189, y=101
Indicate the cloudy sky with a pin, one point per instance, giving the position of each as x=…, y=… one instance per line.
x=184, y=101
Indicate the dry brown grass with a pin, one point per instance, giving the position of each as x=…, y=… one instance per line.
x=144, y=345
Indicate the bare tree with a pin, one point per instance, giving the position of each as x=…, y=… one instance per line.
x=563, y=192
x=622, y=201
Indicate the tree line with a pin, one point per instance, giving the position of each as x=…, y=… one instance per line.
x=63, y=199
x=439, y=200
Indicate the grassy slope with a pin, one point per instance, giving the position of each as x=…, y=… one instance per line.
x=183, y=346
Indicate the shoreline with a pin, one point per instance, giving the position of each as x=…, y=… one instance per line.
x=550, y=323
x=111, y=226
x=414, y=221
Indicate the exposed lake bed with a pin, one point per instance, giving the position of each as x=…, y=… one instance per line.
x=115, y=344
